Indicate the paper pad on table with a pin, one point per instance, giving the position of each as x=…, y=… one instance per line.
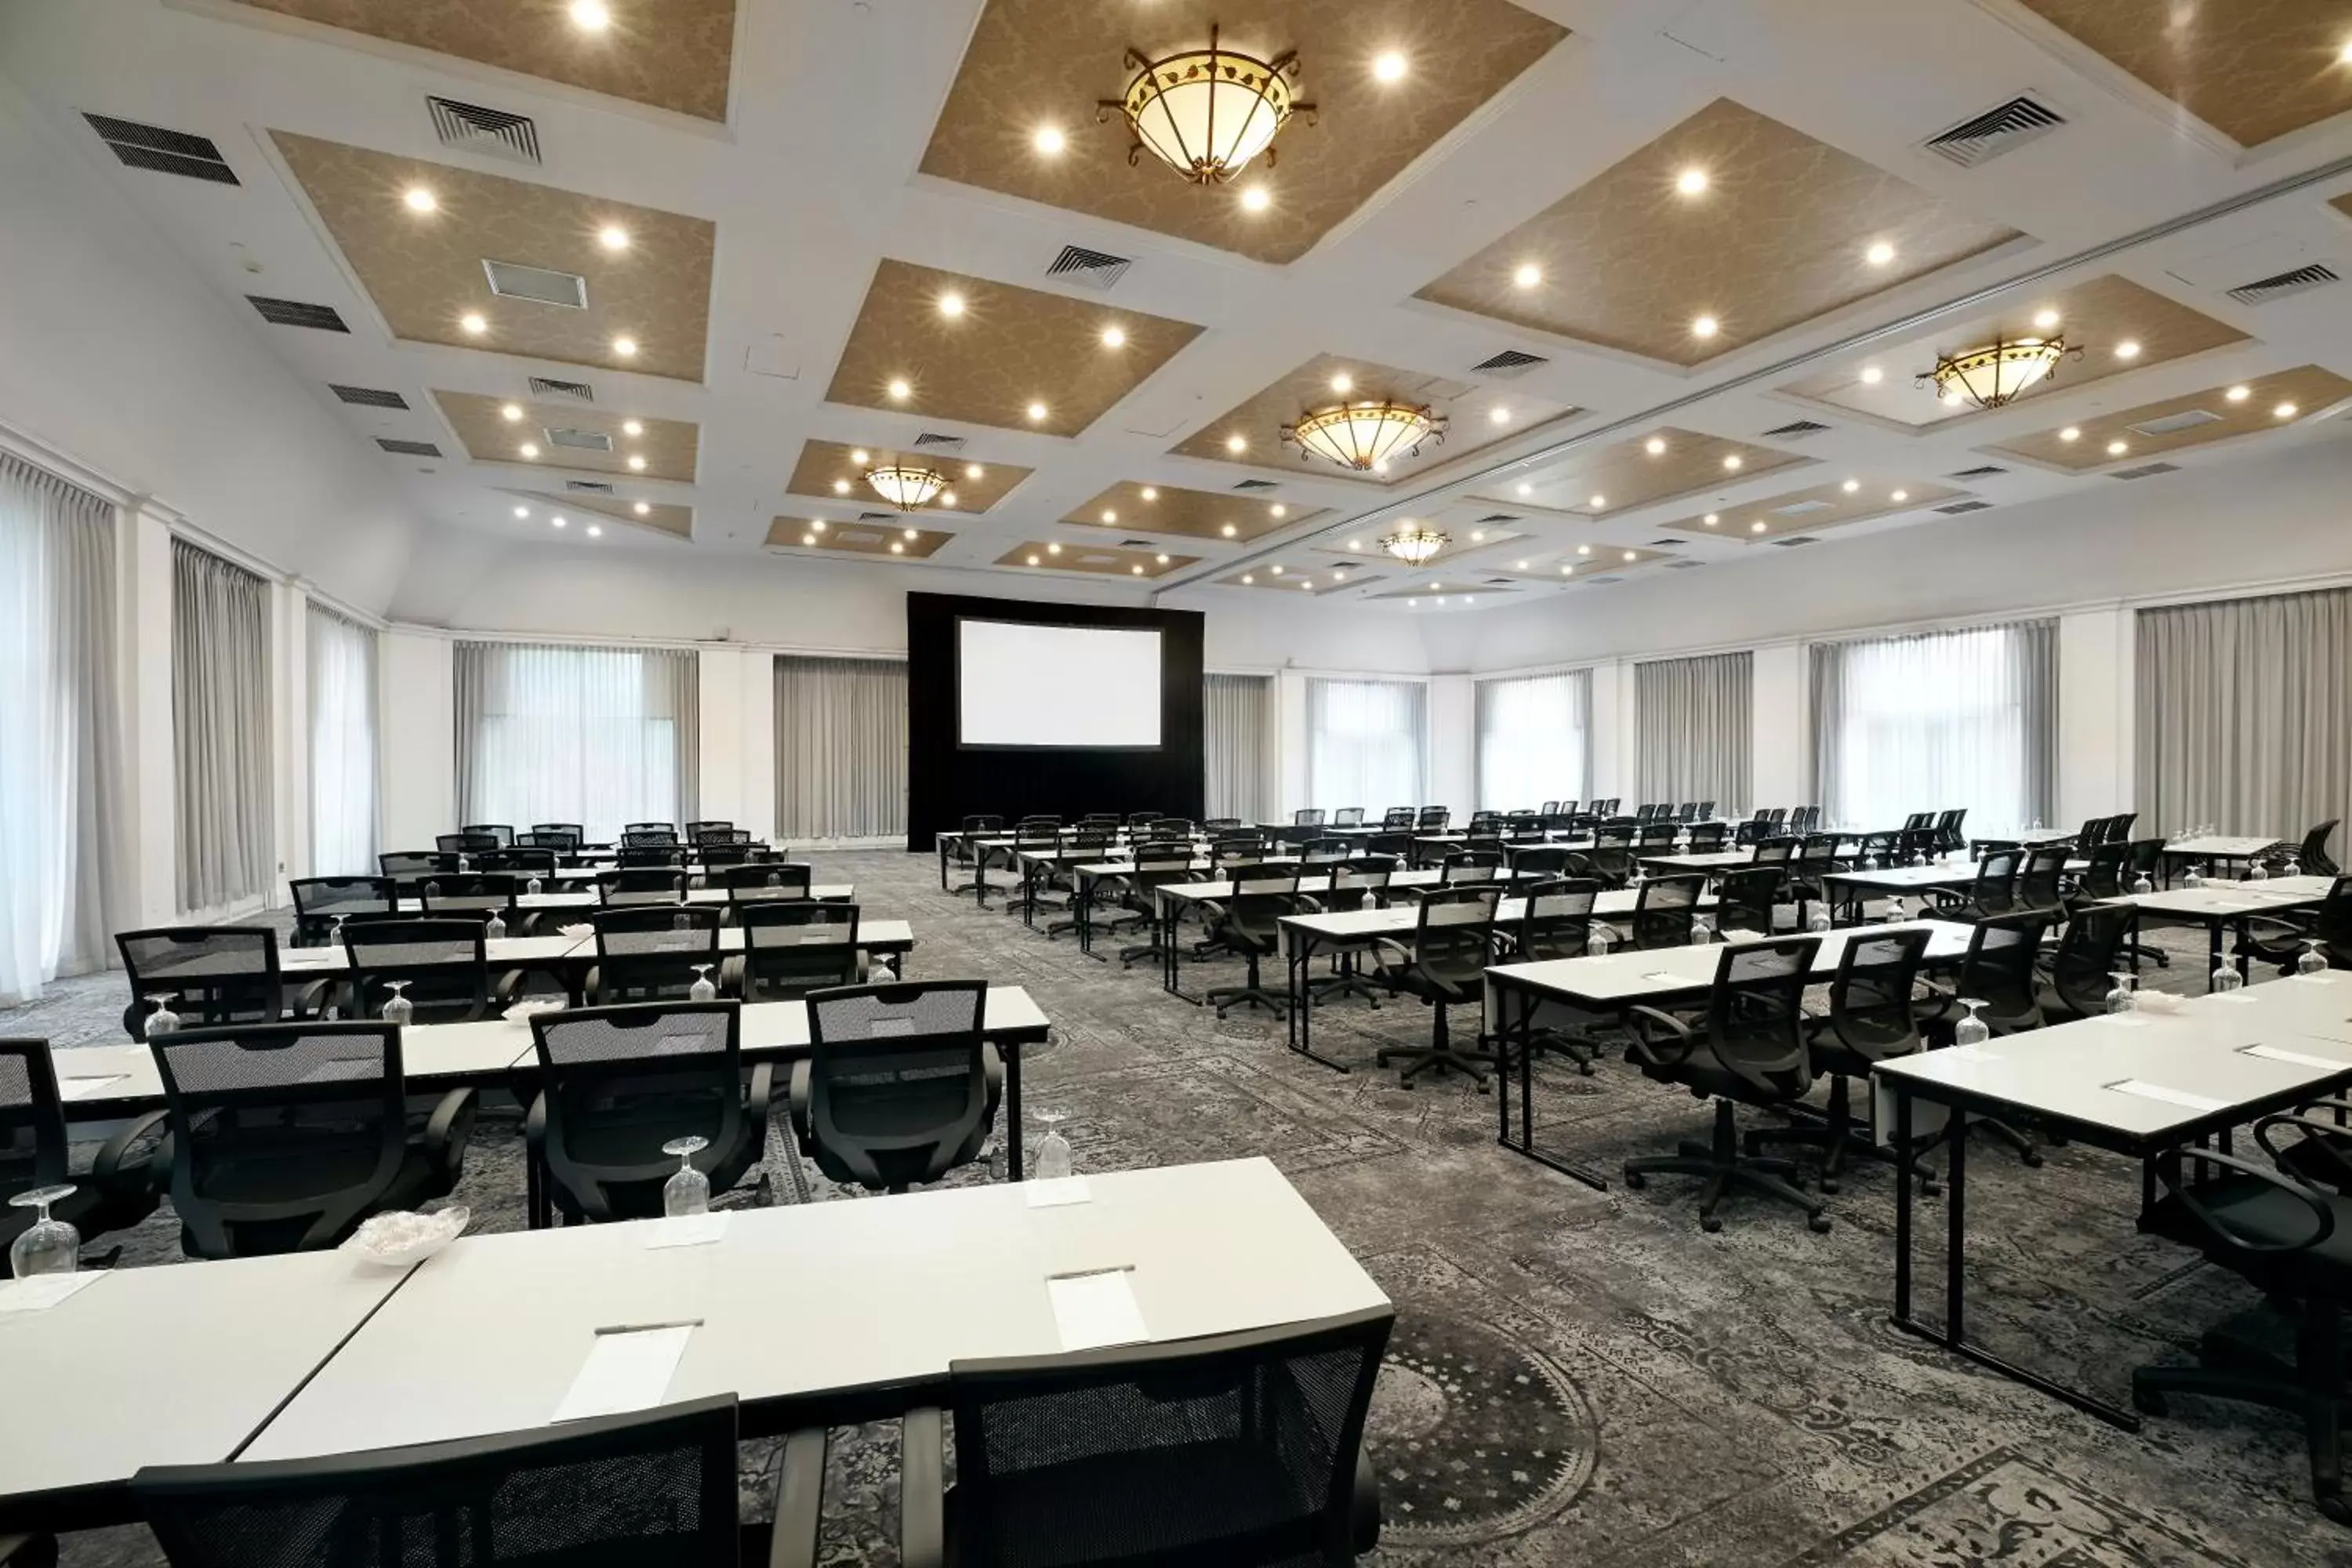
x=625, y=1370
x=1091, y=1310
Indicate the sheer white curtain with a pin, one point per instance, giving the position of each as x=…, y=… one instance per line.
x=1365, y=739
x=1694, y=728
x=1532, y=740
x=1234, y=745
x=1946, y=719
x=597, y=736
x=341, y=687
x=220, y=729
x=60, y=815
x=840, y=748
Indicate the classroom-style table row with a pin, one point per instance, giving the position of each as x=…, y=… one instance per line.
x=566, y=956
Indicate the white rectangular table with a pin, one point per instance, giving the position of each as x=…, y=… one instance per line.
x=2221, y=906
x=826, y=1312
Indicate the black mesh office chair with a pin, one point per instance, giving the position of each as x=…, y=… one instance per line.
x=964, y=854
x=1131, y=900
x=1398, y=820
x=1949, y=840
x=1555, y=922
x=501, y=831
x=899, y=1087
x=710, y=832
x=1999, y=971
x=1246, y=922
x=618, y=889
x=649, y=952
x=617, y=1083
x=2279, y=940
x=653, y=1487
x=1347, y=817
x=1873, y=1017
x=1707, y=839
x=412, y=868
x=1432, y=819
x=284, y=1137
x=650, y=829
x=1361, y=882
x=579, y=831
x=1536, y=859
x=2076, y=974
x=1810, y=866
x=117, y=1191
x=1324, y=851
x=2312, y=857
x=1748, y=901
x=522, y=863
x=791, y=948
x=1240, y=1450
x=215, y=975
x=1666, y=911
x=1217, y=824
x=1446, y=966
x=1993, y=894
x=564, y=841
x=445, y=964
x=1612, y=854
x=321, y=901
x=1306, y=817
x=2040, y=877
x=1747, y=1048
x=466, y=843
x=476, y=895
x=641, y=857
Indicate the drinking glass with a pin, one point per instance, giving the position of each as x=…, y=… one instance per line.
x=687, y=1193
x=533, y=887
x=2140, y=883
x=2226, y=977
x=1598, y=943
x=494, y=928
x=1897, y=911
x=431, y=889
x=2195, y=878
x=1702, y=933
x=2292, y=867
x=48, y=1246
x=397, y=1008
x=1820, y=922
x=163, y=1020
x=2256, y=871
x=2311, y=961
x=702, y=990
x=1052, y=1149
x=1971, y=1030
x=2120, y=1000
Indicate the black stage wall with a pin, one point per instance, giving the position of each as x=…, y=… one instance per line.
x=946, y=783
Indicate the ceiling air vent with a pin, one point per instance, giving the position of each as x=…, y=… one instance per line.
x=1988, y=135
x=2278, y=286
x=875, y=517
x=1253, y=486
x=471, y=128
x=1493, y=518
x=1796, y=430
x=1135, y=544
x=1667, y=543
x=1596, y=582
x=2146, y=471
x=932, y=441
x=295, y=313
x=1098, y=560
x=2171, y=424
x=409, y=448
x=580, y=440
x=1683, y=564
x=368, y=397
x=541, y=285
x=549, y=389
x=589, y=487
x=1799, y=507
x=1509, y=363
x=1982, y=471
x=1796, y=539
x=1089, y=268
x=1959, y=507
x=162, y=151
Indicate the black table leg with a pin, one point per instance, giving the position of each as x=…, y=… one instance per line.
x=1903, y=1158
x=1526, y=1146
x=1013, y=1166
x=1302, y=1002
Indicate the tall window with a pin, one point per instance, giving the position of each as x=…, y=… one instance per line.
x=1234, y=738
x=597, y=736
x=342, y=745
x=60, y=765
x=220, y=729
x=840, y=748
x=1532, y=740
x=1365, y=739
x=1925, y=724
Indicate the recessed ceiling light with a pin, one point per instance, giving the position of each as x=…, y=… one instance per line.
x=1655, y=446
x=1704, y=327
x=2343, y=56
x=632, y=428
x=1343, y=384
x=1379, y=465
x=2072, y=433
x=558, y=520
x=1108, y=515
x=511, y=413
x=1053, y=550
x=1597, y=503
x=1519, y=566
x=1161, y=558
x=1137, y=568
x=1566, y=567
x=1388, y=66
x=1277, y=509
x=1036, y=413
x=1900, y=495
x=2117, y=448
x=1872, y=376
x=636, y=462
x=1236, y=443
x=473, y=323
x=1584, y=550
x=912, y=533
x=2045, y=319
x=808, y=539
x=897, y=548
x=2239, y=393
x=1255, y=200
x=1879, y=255
x=419, y=199
x=898, y=390
x=1499, y=414
x=1228, y=532
x=1732, y=460
x=1527, y=490
x=1355, y=544
x=1048, y=139
x=1032, y=561
x=626, y=347
x=817, y=524
x=947, y=498
x=1755, y=527
x=974, y=471
x=594, y=532
x=951, y=304
x=860, y=454
x=1114, y=337
x=590, y=16
x=1711, y=518
x=528, y=450
x=1478, y=536
x=613, y=237
x=1275, y=568
x=642, y=508
x=841, y=487
x=1691, y=180
x=1851, y=486
x=2283, y=411
x=1248, y=581
x=522, y=511
x=2127, y=349
x=1527, y=275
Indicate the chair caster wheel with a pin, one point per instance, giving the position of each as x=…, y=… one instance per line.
x=1829, y=1184
x=2149, y=1402
x=1585, y=1069
x=1710, y=1223
x=2031, y=1161
x=1635, y=1180
x=1820, y=1223
x=1404, y=1083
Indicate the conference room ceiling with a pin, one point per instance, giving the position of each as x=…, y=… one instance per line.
x=1797, y=514
x=830, y=471
x=802, y=185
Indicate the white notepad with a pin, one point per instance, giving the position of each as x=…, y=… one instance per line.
x=83, y=1088
x=43, y=1292
x=2180, y=1097
x=688, y=1230
x=628, y=1369
x=1054, y=1194
x=1091, y=1310
x=2292, y=1058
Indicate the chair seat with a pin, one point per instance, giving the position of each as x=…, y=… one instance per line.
x=612, y=1144
x=422, y=1177
x=1710, y=1080
x=2257, y=1209
x=94, y=1208
x=1112, y=1507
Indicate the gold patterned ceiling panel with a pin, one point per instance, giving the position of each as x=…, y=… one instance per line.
x=560, y=434
x=1043, y=64
x=662, y=517
x=1015, y=358
x=838, y=472
x=1776, y=229
x=1476, y=416
x=891, y=540
x=2119, y=325
x=1814, y=511
x=1601, y=480
x=1133, y=508
x=1461, y=539
x=2253, y=69
x=425, y=272
x=2197, y=419
x=1331, y=579
x=1101, y=560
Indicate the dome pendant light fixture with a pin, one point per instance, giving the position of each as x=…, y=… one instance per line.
x=908, y=489
x=1414, y=544
x=1363, y=435
x=1993, y=375
x=1207, y=112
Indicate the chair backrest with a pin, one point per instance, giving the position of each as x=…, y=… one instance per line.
x=1432, y=819
x=1165, y=827
x=899, y=1077
x=1226, y=850
x=32, y=1123
x=529, y=861
x=1362, y=879
x=721, y=830
x=638, y=857
x=466, y=843
x=1999, y=969
x=501, y=831
x=648, y=838
x=641, y=886
x=1948, y=829
x=1706, y=837
x=2312, y=857
x=562, y=840
x=1542, y=859
x=791, y=948
x=1755, y=1015
x=1995, y=890
x=1239, y=1450
x=1471, y=866
x=646, y=953
x=318, y=900
x=1216, y=824
x=1261, y=896
x=1920, y=842
x=1397, y=844
x=284, y=1136
x=661, y=1482
x=1038, y=819
x=2103, y=877
x=1706, y=809
x=2037, y=884
x=1453, y=939
x=765, y=880
x=1664, y=909
x=1306, y=817
x=410, y=865
x=1776, y=851
x=2332, y=923
x=1555, y=920
x=1347, y=817
x=1486, y=821
x=2089, y=950
x=1397, y=817
x=1870, y=1008
x=668, y=827
x=1920, y=819
x=579, y=833
x=619, y=1082
x=1745, y=899
x=1141, y=818
x=2119, y=827
x=473, y=893
x=219, y=974
x=713, y=853
x=1323, y=851
x=446, y=964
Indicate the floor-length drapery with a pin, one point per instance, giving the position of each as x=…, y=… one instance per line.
x=840, y=748
x=1695, y=722
x=341, y=687
x=1365, y=740
x=598, y=736
x=220, y=729
x=60, y=769
x=1233, y=745
x=2244, y=714
x=1533, y=740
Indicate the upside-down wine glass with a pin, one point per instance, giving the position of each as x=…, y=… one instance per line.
x=2195, y=876
x=702, y=990
x=48, y=1246
x=2256, y=871
x=1971, y=1030
x=163, y=1020
x=397, y=1008
x=2311, y=961
x=2119, y=999
x=686, y=1193
x=2226, y=977
x=2140, y=883
x=1702, y=932
x=494, y=928
x=1052, y=1149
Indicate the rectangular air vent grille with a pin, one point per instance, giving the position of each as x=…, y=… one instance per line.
x=295, y=313
x=1959, y=507
x=1089, y=268
x=368, y=397
x=580, y=440
x=1796, y=430
x=855, y=536
x=2172, y=423
x=162, y=151
x=1509, y=363
x=1988, y=135
x=1665, y=545
x=933, y=441
x=1253, y=486
x=2146, y=471
x=1596, y=582
x=1098, y=560
x=1683, y=565
x=540, y=285
x=1799, y=507
x=2301, y=280
x=475, y=129
x=875, y=517
x=1796, y=539
x=408, y=448
x=1493, y=518
x=589, y=487
x=549, y=389
x=1982, y=471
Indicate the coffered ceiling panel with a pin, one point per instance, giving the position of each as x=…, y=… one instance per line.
x=658, y=516
x=1571, y=564
x=2119, y=325
x=1437, y=596
x=1814, y=511
x=2252, y=70
x=942, y=346
x=427, y=272
x=566, y=436
x=838, y=472
x=1196, y=514
x=1042, y=66
x=1477, y=416
x=1731, y=219
x=1462, y=537
x=1294, y=580
x=1601, y=480
x=891, y=540
x=1101, y=560
x=2218, y=414
x=671, y=54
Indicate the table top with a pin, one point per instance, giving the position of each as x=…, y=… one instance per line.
x=522, y=951
x=2230, y=900
x=1954, y=871
x=1623, y=978
x=1421, y=877
x=488, y=1336
x=1706, y=860
x=825, y=892
x=2221, y=847
x=1339, y=925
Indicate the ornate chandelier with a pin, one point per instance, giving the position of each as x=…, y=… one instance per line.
x=906, y=488
x=1207, y=112
x=1995, y=373
x=1364, y=434
x=1414, y=544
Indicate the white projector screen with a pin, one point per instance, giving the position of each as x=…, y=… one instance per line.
x=1023, y=685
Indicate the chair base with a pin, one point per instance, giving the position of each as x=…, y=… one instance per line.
x=1839, y=1138
x=2312, y=1391
x=1440, y=1056
x=1725, y=1170
x=1223, y=996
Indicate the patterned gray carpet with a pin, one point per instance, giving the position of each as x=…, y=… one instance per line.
x=1587, y=1378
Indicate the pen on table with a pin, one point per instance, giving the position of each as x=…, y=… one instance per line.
x=645, y=1328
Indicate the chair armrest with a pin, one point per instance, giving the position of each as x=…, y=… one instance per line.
x=1364, y=1505
x=534, y=1124
x=2329, y=1139
x=1659, y=1040
x=1307, y=904
x=2169, y=1172
x=108, y=1166
x=797, y=1102
x=922, y=1491
x=309, y=1001
x=731, y=977
x=763, y=1086
x=1403, y=954
x=506, y=989
x=800, y=1497
x=450, y=1127
x=1210, y=909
